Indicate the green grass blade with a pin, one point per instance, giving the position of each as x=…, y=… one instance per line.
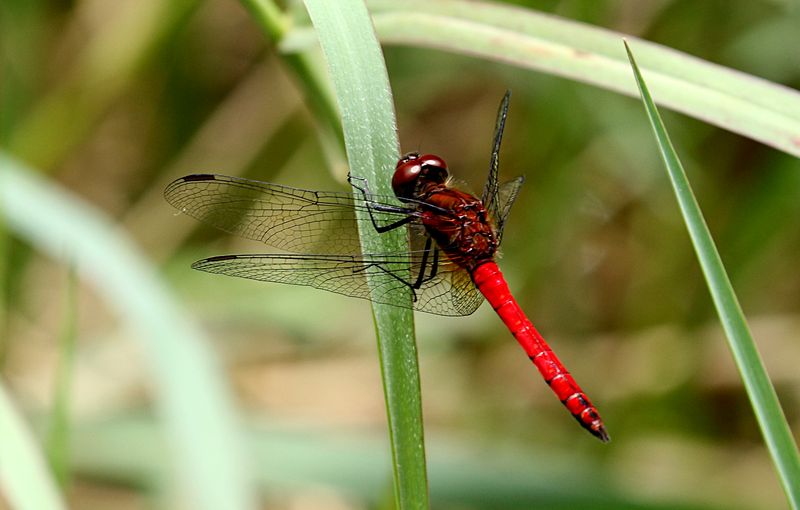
x=199, y=420
x=25, y=480
x=58, y=432
x=4, y=278
x=362, y=89
x=769, y=414
x=743, y=104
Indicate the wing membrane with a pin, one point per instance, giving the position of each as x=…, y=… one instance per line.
x=498, y=199
x=449, y=292
x=491, y=186
x=287, y=218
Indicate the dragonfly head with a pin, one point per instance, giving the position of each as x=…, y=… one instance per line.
x=413, y=170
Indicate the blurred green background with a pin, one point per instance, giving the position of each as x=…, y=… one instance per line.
x=113, y=100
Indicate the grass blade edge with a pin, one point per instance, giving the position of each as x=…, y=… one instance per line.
x=770, y=417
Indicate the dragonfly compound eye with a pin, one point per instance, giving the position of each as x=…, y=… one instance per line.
x=434, y=169
x=404, y=181
x=411, y=167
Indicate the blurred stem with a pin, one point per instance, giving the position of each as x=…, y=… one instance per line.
x=269, y=17
x=20, y=36
x=20, y=31
x=4, y=282
x=206, y=453
x=58, y=435
x=310, y=77
x=25, y=482
x=111, y=59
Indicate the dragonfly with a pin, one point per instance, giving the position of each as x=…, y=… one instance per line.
x=449, y=267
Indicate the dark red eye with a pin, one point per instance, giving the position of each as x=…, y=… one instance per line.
x=432, y=161
x=411, y=167
x=404, y=180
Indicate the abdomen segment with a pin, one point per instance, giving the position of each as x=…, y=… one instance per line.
x=492, y=284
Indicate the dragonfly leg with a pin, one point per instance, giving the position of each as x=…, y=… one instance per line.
x=434, y=264
x=371, y=206
x=390, y=273
x=421, y=278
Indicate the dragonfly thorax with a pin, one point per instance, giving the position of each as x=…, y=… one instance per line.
x=413, y=170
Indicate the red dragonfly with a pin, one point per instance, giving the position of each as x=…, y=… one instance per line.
x=449, y=268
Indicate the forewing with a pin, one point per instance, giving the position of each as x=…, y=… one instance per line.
x=287, y=218
x=498, y=199
x=489, y=196
x=449, y=292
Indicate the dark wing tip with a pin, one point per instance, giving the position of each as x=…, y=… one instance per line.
x=217, y=258
x=203, y=264
x=197, y=177
x=171, y=187
x=192, y=178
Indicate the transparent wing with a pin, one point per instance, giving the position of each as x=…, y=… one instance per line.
x=489, y=196
x=321, y=229
x=287, y=218
x=498, y=199
x=506, y=196
x=449, y=291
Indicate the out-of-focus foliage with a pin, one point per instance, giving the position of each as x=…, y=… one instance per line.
x=112, y=100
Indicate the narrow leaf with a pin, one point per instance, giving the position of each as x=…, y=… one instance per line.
x=775, y=429
x=199, y=418
x=362, y=89
x=744, y=104
x=58, y=433
x=24, y=478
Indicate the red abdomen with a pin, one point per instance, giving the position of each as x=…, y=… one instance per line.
x=490, y=282
x=458, y=223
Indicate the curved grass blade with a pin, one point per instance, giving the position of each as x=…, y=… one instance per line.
x=25, y=480
x=769, y=414
x=198, y=416
x=362, y=89
x=732, y=100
